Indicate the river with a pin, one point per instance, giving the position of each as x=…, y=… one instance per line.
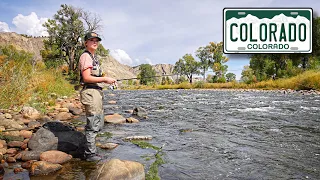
x=217, y=134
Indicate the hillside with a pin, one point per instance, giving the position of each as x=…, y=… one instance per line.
x=109, y=65
x=33, y=45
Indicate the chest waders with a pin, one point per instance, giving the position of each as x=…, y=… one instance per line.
x=91, y=97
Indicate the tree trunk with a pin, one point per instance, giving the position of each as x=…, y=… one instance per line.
x=71, y=59
x=190, y=79
x=204, y=75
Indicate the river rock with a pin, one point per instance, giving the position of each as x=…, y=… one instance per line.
x=138, y=138
x=119, y=169
x=44, y=168
x=30, y=155
x=8, y=116
x=24, y=146
x=63, y=116
x=12, y=133
x=2, y=171
x=112, y=102
x=55, y=157
x=3, y=142
x=140, y=112
x=11, y=160
x=108, y=146
x=12, y=151
x=27, y=165
x=129, y=111
x=15, y=144
x=3, y=150
x=132, y=120
x=30, y=112
x=10, y=124
x=43, y=140
x=70, y=141
x=114, y=119
x=75, y=111
x=34, y=124
x=63, y=110
x=25, y=134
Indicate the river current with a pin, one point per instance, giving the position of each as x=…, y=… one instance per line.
x=217, y=134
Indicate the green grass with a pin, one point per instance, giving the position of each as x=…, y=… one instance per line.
x=152, y=173
x=144, y=145
x=24, y=84
x=105, y=134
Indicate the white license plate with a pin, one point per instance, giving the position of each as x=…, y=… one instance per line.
x=270, y=30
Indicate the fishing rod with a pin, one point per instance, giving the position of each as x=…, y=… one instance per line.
x=147, y=77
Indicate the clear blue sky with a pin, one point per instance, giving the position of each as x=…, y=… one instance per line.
x=144, y=31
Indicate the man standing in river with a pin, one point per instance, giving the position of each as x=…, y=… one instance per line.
x=91, y=95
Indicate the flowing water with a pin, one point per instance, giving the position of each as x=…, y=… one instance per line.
x=207, y=134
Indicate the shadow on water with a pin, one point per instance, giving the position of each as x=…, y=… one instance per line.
x=209, y=134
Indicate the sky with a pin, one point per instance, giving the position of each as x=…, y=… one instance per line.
x=144, y=31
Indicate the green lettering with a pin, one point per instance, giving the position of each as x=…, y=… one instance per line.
x=246, y=32
x=294, y=32
x=251, y=40
x=282, y=33
x=231, y=32
x=304, y=32
x=272, y=31
x=265, y=32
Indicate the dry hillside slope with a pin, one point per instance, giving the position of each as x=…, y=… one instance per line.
x=109, y=65
x=33, y=45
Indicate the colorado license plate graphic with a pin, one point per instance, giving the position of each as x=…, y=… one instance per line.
x=272, y=30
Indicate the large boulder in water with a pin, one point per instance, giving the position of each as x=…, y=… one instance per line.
x=70, y=141
x=119, y=169
x=43, y=140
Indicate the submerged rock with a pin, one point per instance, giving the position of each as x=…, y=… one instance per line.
x=138, y=138
x=114, y=119
x=56, y=157
x=140, y=112
x=119, y=169
x=44, y=168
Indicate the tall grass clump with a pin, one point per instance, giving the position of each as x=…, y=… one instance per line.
x=26, y=81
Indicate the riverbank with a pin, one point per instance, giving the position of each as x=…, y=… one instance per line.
x=309, y=80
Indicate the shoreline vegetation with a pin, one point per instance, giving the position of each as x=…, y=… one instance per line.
x=308, y=80
x=27, y=83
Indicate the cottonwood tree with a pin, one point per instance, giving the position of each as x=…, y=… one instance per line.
x=231, y=77
x=146, y=75
x=188, y=66
x=217, y=59
x=203, y=53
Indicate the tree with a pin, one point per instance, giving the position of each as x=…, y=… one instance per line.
x=203, y=53
x=247, y=75
x=65, y=30
x=146, y=74
x=217, y=59
x=187, y=66
x=230, y=77
x=102, y=51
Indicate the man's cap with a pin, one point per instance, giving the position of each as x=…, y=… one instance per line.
x=91, y=35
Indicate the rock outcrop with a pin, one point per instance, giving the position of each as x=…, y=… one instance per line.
x=28, y=44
